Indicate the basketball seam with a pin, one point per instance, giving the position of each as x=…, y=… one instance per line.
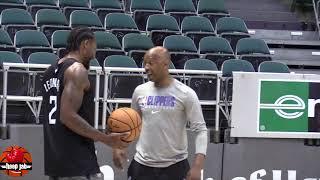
x=135, y=133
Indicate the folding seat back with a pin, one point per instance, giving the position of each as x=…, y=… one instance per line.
x=30, y=41
x=142, y=9
x=254, y=50
x=59, y=41
x=233, y=29
x=196, y=28
x=181, y=49
x=5, y=42
x=204, y=85
x=160, y=26
x=136, y=45
x=107, y=45
x=120, y=24
x=179, y=9
x=216, y=49
x=122, y=85
x=85, y=18
x=15, y=19
x=50, y=20
x=105, y=7
x=273, y=67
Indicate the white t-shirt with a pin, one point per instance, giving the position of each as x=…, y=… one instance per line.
x=165, y=113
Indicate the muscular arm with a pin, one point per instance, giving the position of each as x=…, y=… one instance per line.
x=76, y=82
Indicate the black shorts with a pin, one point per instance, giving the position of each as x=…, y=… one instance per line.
x=176, y=171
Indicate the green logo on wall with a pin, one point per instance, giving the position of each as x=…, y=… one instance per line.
x=288, y=106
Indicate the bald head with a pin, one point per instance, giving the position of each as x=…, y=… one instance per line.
x=158, y=53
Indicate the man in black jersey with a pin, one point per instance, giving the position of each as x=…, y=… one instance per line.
x=68, y=104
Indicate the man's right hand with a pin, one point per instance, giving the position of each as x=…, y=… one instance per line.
x=114, y=140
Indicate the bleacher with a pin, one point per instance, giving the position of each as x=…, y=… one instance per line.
x=197, y=31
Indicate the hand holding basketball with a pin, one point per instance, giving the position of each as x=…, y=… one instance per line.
x=125, y=120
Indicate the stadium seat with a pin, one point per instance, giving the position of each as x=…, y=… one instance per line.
x=6, y=42
x=273, y=67
x=107, y=45
x=50, y=20
x=86, y=18
x=42, y=58
x=35, y=5
x=136, y=45
x=18, y=88
x=120, y=24
x=213, y=10
x=103, y=7
x=122, y=85
x=200, y=64
x=181, y=49
x=70, y=5
x=142, y=9
x=36, y=78
x=59, y=42
x=30, y=41
x=160, y=26
x=216, y=49
x=253, y=50
x=179, y=9
x=13, y=20
x=95, y=63
x=196, y=27
x=8, y=4
x=232, y=29
x=228, y=67
x=203, y=85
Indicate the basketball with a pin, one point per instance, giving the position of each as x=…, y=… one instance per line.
x=125, y=120
x=16, y=154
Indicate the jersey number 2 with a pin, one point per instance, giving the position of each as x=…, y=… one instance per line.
x=53, y=100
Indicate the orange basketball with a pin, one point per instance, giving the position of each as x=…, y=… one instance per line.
x=125, y=120
x=16, y=154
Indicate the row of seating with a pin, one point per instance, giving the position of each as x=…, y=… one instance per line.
x=181, y=47
x=140, y=9
x=49, y=20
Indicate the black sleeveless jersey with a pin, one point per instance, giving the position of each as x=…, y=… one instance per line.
x=66, y=153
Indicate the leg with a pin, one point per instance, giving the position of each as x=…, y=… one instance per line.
x=176, y=171
x=138, y=171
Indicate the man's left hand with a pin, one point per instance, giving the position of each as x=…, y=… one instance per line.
x=194, y=173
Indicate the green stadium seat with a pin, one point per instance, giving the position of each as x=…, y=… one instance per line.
x=181, y=49
x=216, y=49
x=273, y=67
x=254, y=50
x=232, y=29
x=103, y=7
x=122, y=85
x=107, y=45
x=59, y=41
x=179, y=9
x=13, y=20
x=142, y=9
x=212, y=9
x=6, y=42
x=85, y=18
x=120, y=24
x=50, y=20
x=160, y=26
x=30, y=41
x=196, y=27
x=136, y=45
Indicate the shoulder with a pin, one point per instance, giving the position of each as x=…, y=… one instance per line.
x=182, y=88
x=144, y=86
x=77, y=71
